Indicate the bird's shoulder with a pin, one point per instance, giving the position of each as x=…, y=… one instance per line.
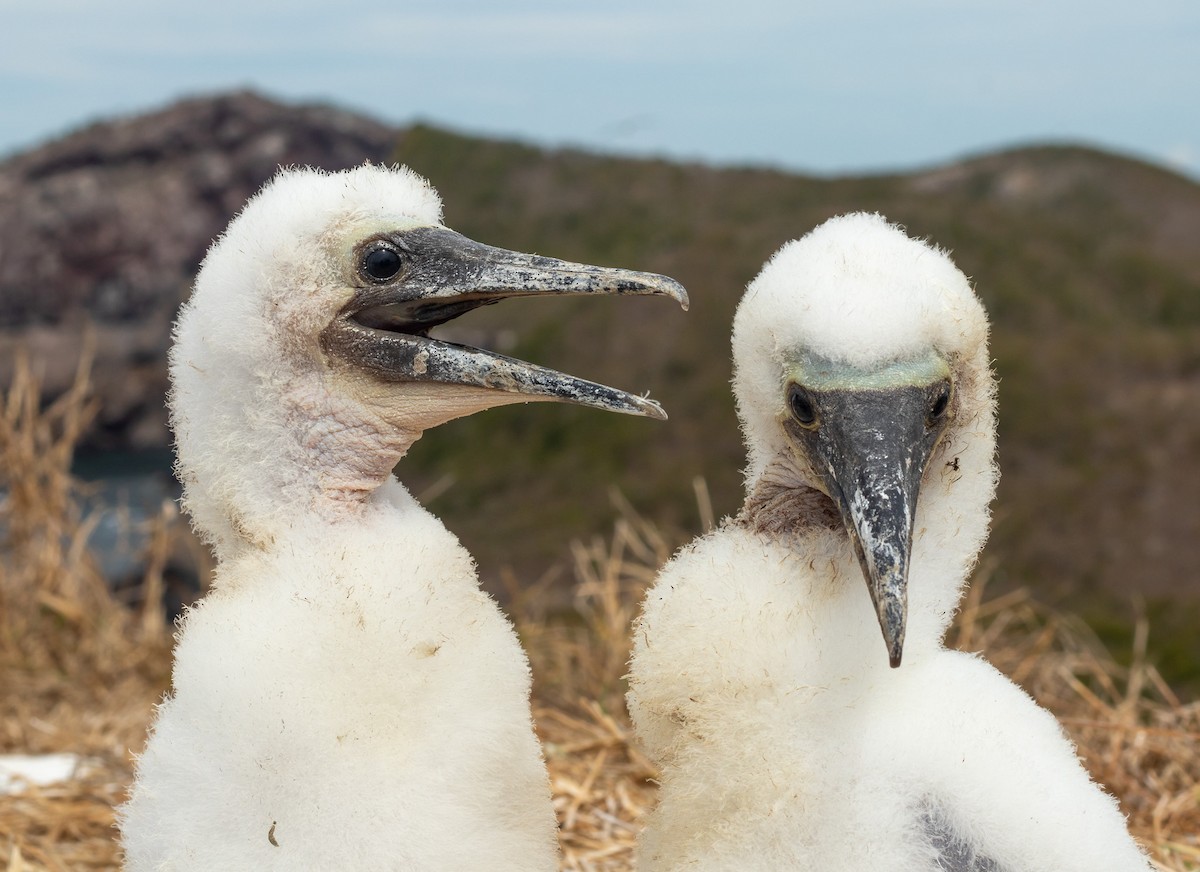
x=395, y=558
x=739, y=567
x=998, y=765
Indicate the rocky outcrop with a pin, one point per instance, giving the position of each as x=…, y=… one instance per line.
x=101, y=233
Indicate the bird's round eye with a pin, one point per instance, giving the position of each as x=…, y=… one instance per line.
x=802, y=406
x=940, y=403
x=381, y=263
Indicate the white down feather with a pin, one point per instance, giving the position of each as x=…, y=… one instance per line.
x=759, y=682
x=345, y=696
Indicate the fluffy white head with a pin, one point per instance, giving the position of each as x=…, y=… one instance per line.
x=856, y=290
x=758, y=682
x=263, y=424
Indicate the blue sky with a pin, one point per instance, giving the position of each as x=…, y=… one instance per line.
x=830, y=87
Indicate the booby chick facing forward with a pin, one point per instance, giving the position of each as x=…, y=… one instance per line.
x=785, y=737
x=345, y=696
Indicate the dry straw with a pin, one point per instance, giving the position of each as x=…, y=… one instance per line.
x=80, y=671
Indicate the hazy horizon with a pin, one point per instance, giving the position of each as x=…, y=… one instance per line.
x=871, y=86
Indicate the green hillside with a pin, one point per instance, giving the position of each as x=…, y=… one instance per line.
x=1089, y=265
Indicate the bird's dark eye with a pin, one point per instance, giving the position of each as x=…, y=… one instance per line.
x=802, y=406
x=939, y=403
x=381, y=263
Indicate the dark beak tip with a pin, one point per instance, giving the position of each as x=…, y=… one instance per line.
x=893, y=637
x=668, y=287
x=650, y=409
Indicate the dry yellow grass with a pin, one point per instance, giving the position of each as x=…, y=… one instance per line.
x=79, y=671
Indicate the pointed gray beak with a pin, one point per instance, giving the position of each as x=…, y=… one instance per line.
x=871, y=446
x=409, y=282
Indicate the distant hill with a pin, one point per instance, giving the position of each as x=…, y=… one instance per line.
x=109, y=223
x=1089, y=264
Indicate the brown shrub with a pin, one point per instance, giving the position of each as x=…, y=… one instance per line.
x=81, y=671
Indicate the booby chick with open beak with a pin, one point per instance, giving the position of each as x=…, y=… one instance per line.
x=345, y=696
x=788, y=736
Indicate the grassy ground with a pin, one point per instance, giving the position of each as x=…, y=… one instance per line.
x=80, y=671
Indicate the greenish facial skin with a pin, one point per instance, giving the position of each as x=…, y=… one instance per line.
x=820, y=374
x=869, y=434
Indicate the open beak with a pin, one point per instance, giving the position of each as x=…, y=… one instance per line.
x=385, y=326
x=871, y=450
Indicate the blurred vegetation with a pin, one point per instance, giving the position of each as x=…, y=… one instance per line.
x=84, y=665
x=1089, y=265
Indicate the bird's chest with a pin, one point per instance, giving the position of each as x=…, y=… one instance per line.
x=351, y=660
x=788, y=785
